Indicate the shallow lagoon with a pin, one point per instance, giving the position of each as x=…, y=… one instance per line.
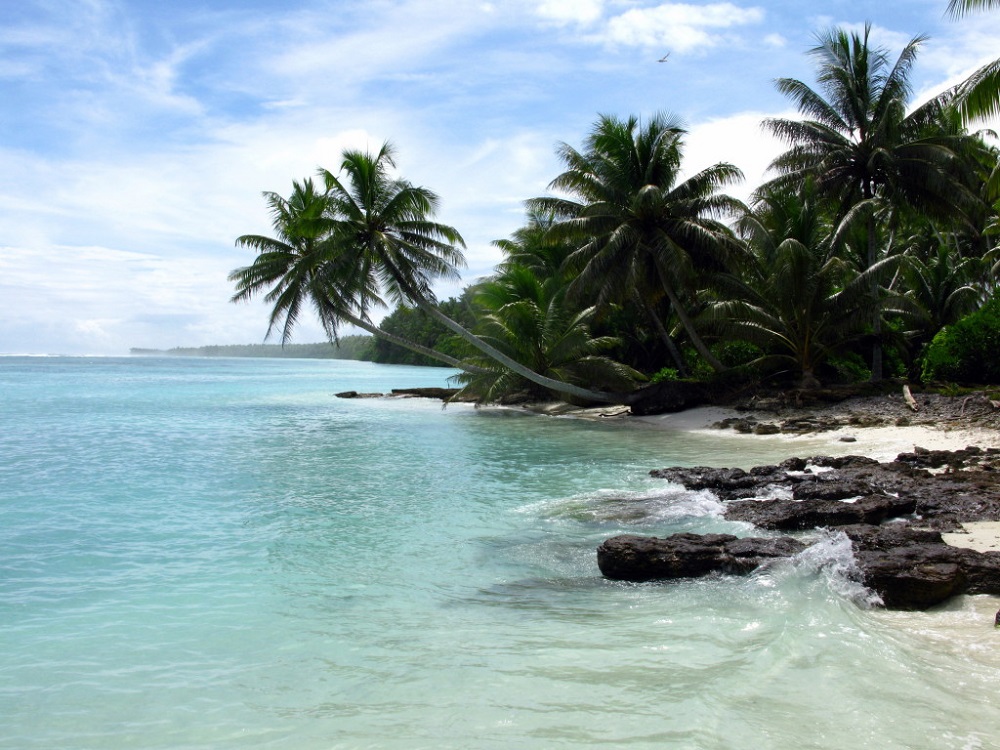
x=219, y=553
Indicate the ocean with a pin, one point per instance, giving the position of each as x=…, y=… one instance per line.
x=219, y=553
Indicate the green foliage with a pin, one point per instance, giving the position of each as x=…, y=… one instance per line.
x=417, y=326
x=528, y=317
x=665, y=374
x=737, y=353
x=966, y=352
x=849, y=367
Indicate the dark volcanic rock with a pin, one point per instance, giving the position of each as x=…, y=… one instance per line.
x=789, y=515
x=908, y=568
x=968, y=491
x=639, y=558
x=668, y=397
x=905, y=562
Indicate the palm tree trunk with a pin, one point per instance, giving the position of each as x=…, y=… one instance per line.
x=565, y=389
x=558, y=386
x=411, y=345
x=665, y=336
x=688, y=325
x=877, y=322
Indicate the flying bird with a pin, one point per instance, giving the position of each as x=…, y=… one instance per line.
x=664, y=58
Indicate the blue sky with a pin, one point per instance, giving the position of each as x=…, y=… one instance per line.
x=136, y=136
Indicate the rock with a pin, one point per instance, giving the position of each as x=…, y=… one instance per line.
x=638, y=558
x=969, y=491
x=904, y=561
x=908, y=568
x=766, y=429
x=904, y=581
x=791, y=515
x=355, y=394
x=442, y=393
x=668, y=397
x=848, y=439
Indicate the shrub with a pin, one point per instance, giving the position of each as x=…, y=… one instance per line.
x=667, y=373
x=966, y=352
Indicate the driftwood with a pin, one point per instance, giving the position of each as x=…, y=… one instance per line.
x=965, y=401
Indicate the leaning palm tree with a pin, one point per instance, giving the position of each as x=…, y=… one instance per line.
x=865, y=151
x=381, y=226
x=526, y=315
x=644, y=230
x=299, y=268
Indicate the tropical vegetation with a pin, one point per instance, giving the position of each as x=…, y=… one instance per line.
x=862, y=257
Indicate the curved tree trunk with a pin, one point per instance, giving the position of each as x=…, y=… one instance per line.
x=412, y=346
x=687, y=323
x=877, y=322
x=495, y=354
x=665, y=336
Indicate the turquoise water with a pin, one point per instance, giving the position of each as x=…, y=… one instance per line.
x=202, y=553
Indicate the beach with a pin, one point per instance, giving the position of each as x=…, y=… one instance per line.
x=880, y=427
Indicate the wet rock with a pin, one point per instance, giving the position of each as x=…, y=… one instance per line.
x=355, y=394
x=969, y=490
x=766, y=429
x=640, y=558
x=908, y=568
x=791, y=515
x=892, y=512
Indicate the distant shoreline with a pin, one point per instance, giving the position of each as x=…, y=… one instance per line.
x=351, y=347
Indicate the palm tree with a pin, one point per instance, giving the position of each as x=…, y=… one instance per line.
x=526, y=315
x=941, y=285
x=979, y=96
x=299, y=268
x=959, y=8
x=797, y=299
x=381, y=225
x=644, y=230
x=865, y=151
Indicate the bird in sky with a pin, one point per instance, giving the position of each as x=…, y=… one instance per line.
x=664, y=58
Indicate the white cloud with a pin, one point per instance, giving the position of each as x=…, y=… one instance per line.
x=582, y=12
x=738, y=139
x=679, y=26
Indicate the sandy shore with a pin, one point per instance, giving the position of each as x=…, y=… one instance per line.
x=881, y=442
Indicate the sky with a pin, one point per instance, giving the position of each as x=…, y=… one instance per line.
x=136, y=136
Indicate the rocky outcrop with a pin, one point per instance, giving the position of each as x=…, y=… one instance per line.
x=893, y=513
x=668, y=397
x=638, y=558
x=444, y=394
x=969, y=490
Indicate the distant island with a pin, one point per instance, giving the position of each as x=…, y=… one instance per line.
x=350, y=347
